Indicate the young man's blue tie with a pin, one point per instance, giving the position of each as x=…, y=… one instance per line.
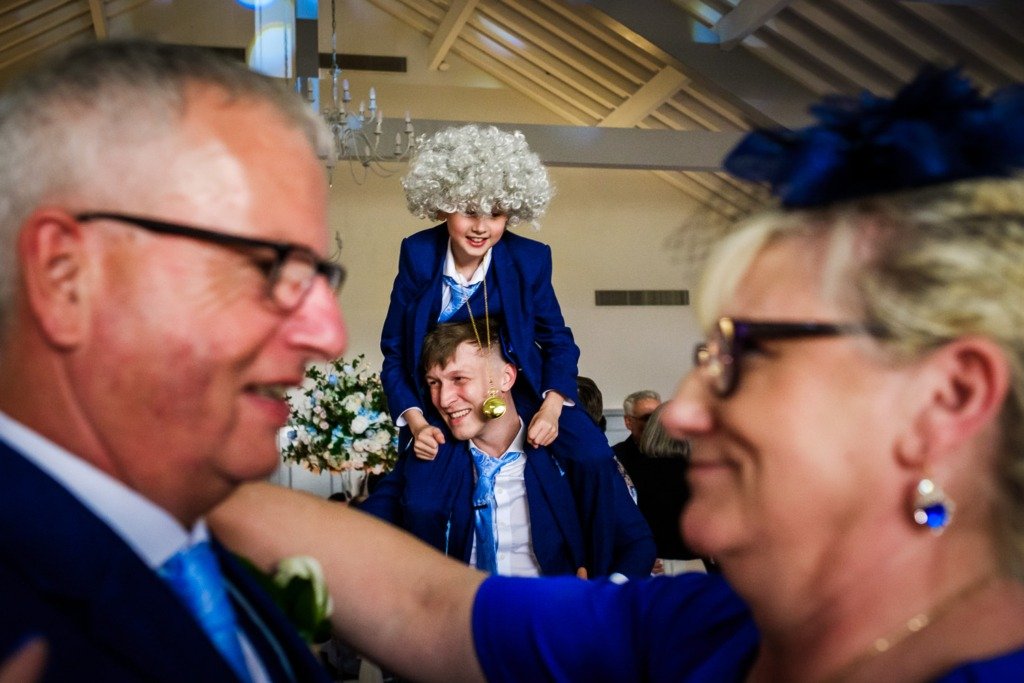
x=195, y=577
x=484, y=504
x=460, y=295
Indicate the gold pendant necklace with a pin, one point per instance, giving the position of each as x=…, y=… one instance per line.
x=493, y=406
x=913, y=625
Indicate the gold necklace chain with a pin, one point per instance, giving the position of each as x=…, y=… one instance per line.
x=915, y=624
x=487, y=323
x=493, y=406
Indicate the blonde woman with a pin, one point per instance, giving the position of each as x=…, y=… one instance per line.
x=856, y=421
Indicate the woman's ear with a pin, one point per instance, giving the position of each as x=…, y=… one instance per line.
x=52, y=255
x=960, y=389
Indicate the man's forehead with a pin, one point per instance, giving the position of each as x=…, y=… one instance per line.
x=241, y=167
x=646, y=404
x=467, y=356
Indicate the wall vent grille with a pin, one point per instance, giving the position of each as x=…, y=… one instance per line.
x=642, y=297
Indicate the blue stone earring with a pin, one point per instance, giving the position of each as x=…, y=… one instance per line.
x=932, y=507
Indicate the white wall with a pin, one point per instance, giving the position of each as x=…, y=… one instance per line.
x=609, y=229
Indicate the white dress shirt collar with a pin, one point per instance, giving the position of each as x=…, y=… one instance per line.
x=147, y=528
x=453, y=272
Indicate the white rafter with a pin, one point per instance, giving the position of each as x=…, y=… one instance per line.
x=456, y=17
x=649, y=97
x=745, y=18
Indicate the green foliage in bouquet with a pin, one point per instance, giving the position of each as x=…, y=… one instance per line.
x=340, y=421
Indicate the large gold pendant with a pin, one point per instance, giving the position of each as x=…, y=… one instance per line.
x=493, y=407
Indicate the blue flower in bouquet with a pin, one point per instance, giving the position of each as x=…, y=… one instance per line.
x=339, y=421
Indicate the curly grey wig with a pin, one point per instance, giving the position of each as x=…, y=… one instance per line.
x=475, y=169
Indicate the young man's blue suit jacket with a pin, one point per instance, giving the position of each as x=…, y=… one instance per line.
x=522, y=269
x=66, y=576
x=581, y=514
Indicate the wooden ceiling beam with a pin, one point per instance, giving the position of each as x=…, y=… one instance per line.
x=622, y=148
x=99, y=19
x=458, y=14
x=745, y=18
x=649, y=97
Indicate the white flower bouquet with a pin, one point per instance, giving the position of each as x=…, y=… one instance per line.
x=340, y=421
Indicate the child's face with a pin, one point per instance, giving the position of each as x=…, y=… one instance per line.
x=473, y=234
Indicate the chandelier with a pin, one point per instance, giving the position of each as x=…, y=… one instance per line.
x=358, y=135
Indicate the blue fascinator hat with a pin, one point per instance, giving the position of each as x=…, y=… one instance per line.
x=936, y=129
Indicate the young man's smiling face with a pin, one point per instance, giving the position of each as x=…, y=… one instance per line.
x=459, y=389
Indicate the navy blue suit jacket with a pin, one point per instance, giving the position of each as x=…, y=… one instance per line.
x=581, y=514
x=534, y=334
x=65, y=575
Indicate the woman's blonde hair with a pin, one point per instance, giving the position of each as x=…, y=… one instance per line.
x=655, y=441
x=927, y=266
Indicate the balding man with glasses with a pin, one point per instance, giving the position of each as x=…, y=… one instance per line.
x=636, y=410
x=163, y=217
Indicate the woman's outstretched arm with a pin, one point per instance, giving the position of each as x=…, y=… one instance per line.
x=396, y=600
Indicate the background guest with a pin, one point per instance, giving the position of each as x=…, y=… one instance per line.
x=636, y=411
x=592, y=401
x=662, y=492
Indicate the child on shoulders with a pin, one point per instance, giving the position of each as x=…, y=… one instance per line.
x=480, y=181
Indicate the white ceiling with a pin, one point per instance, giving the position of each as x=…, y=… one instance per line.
x=674, y=82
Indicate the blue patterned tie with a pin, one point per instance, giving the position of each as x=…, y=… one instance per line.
x=484, y=504
x=195, y=577
x=460, y=295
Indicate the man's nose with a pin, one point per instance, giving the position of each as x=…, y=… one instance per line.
x=318, y=324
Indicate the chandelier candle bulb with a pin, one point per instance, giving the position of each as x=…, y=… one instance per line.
x=350, y=128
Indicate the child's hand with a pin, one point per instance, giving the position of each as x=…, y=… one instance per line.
x=544, y=426
x=426, y=442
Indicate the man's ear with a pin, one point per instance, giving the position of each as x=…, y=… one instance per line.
x=962, y=386
x=52, y=254
x=508, y=377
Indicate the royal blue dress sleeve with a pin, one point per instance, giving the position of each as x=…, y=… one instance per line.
x=690, y=627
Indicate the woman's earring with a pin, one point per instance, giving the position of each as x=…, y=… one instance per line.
x=932, y=507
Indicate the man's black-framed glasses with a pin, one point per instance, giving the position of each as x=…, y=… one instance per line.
x=720, y=357
x=290, y=269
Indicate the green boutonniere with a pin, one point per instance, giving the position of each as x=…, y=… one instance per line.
x=299, y=590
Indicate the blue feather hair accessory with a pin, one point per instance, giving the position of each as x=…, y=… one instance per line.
x=936, y=129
